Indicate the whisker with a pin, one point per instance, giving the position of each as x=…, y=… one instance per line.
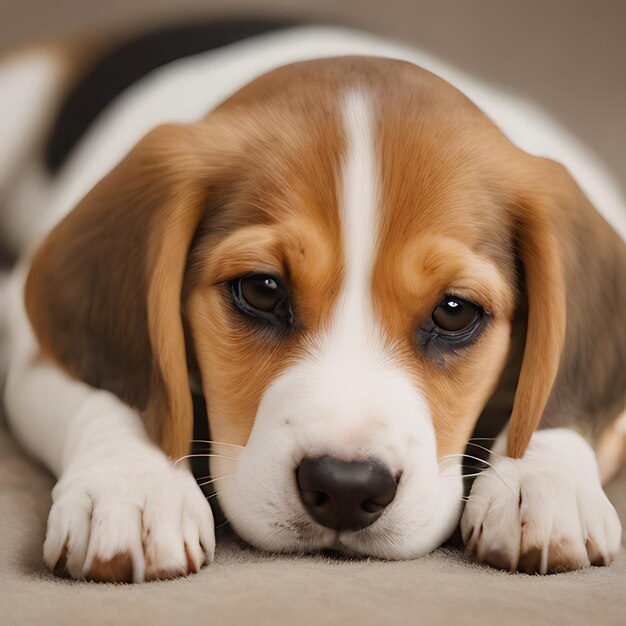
x=466, y=456
x=228, y=521
x=444, y=459
x=208, y=482
x=220, y=492
x=450, y=457
x=204, y=456
x=491, y=452
x=211, y=450
x=460, y=475
x=471, y=498
x=219, y=443
x=495, y=471
x=210, y=476
x=464, y=467
x=471, y=443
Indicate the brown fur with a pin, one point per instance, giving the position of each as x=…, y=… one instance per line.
x=151, y=249
x=104, y=290
x=119, y=569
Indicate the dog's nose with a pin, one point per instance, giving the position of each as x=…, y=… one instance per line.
x=345, y=495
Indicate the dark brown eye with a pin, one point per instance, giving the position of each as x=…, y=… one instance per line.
x=455, y=315
x=262, y=296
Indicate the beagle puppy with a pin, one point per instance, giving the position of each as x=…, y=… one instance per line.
x=352, y=252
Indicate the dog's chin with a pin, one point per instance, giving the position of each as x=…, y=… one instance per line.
x=363, y=543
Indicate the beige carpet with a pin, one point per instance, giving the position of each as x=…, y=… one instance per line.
x=247, y=587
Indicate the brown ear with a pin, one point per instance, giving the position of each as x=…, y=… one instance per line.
x=543, y=277
x=572, y=262
x=104, y=289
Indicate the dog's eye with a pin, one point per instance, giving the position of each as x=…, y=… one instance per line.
x=262, y=296
x=453, y=325
x=455, y=315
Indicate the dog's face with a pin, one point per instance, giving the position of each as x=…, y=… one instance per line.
x=361, y=314
x=334, y=254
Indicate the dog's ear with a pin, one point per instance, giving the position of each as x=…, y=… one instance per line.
x=572, y=261
x=104, y=290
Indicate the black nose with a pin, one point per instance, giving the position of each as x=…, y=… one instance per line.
x=345, y=495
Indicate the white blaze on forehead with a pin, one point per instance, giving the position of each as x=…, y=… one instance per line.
x=349, y=360
x=359, y=205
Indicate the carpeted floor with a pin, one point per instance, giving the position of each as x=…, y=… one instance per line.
x=247, y=587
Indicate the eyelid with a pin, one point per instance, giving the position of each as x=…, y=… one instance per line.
x=438, y=346
x=243, y=272
x=469, y=295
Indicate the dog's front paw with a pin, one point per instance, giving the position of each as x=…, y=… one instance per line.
x=536, y=515
x=129, y=523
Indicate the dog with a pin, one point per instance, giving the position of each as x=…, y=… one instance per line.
x=352, y=252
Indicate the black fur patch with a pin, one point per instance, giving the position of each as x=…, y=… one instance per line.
x=129, y=61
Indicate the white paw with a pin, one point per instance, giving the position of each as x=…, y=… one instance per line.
x=540, y=515
x=129, y=522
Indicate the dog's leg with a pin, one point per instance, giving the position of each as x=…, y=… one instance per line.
x=546, y=512
x=121, y=511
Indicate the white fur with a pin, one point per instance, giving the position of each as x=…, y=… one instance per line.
x=117, y=492
x=30, y=85
x=349, y=399
x=551, y=498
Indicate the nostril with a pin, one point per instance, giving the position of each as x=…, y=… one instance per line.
x=314, y=498
x=381, y=501
x=371, y=506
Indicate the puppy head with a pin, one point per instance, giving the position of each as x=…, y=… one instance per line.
x=333, y=252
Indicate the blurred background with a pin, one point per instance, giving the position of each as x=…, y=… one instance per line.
x=567, y=55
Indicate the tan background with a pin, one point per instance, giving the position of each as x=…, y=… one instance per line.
x=568, y=55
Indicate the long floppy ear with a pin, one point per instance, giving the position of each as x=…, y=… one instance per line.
x=104, y=289
x=572, y=260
